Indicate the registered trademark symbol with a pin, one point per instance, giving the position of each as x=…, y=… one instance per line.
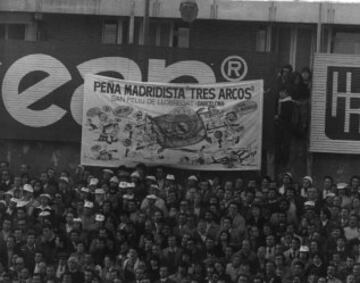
x=234, y=68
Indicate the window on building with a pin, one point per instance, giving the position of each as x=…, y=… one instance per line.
x=346, y=42
x=261, y=40
x=12, y=31
x=181, y=36
x=115, y=31
x=169, y=34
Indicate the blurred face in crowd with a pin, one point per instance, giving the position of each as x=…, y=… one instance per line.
x=306, y=183
x=350, y=278
x=330, y=271
x=44, y=177
x=269, y=268
x=312, y=193
x=270, y=241
x=353, y=221
x=286, y=179
x=51, y=173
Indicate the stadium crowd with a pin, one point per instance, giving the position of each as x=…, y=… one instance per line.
x=145, y=225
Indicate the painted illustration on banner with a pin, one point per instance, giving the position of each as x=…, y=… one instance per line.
x=210, y=127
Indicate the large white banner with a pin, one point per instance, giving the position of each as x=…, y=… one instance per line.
x=190, y=126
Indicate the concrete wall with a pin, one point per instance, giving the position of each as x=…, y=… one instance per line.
x=272, y=11
x=40, y=155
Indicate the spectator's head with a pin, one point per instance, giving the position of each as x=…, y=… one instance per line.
x=163, y=272
x=331, y=271
x=72, y=264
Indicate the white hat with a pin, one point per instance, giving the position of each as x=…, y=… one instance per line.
x=28, y=188
x=94, y=182
x=99, y=191
x=65, y=179
x=130, y=185
x=150, y=177
x=341, y=186
x=152, y=196
x=123, y=185
x=304, y=249
x=309, y=203
x=330, y=195
x=3, y=202
x=88, y=204
x=309, y=179
x=108, y=171
x=45, y=196
x=135, y=174
x=77, y=219
x=193, y=178
x=128, y=197
x=154, y=186
x=99, y=218
x=44, y=213
x=85, y=190
x=21, y=203
x=114, y=179
x=170, y=177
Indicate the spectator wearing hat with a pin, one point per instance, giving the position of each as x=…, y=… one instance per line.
x=159, y=203
x=307, y=183
x=44, y=205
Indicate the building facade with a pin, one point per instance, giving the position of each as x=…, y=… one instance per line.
x=46, y=48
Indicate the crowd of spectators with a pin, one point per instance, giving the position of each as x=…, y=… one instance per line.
x=146, y=225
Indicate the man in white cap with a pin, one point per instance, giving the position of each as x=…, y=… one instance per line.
x=153, y=194
x=307, y=183
x=28, y=193
x=192, y=181
x=170, y=184
x=150, y=206
x=93, y=183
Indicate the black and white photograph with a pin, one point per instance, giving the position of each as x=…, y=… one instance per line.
x=179, y=141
